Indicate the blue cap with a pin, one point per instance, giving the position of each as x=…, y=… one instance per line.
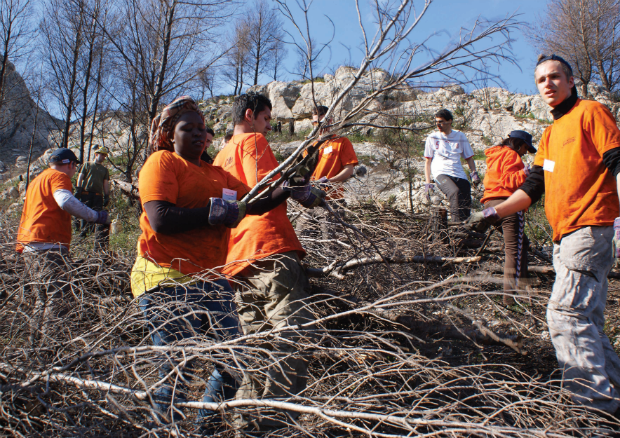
x=526, y=137
x=555, y=57
x=63, y=156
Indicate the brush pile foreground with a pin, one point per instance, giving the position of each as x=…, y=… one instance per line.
x=404, y=348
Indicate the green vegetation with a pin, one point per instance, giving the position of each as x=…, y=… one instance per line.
x=285, y=137
x=316, y=79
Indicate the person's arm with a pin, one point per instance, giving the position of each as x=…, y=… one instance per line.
x=167, y=218
x=263, y=205
x=106, y=187
x=471, y=163
x=611, y=158
x=518, y=201
x=427, y=169
x=344, y=174
x=69, y=203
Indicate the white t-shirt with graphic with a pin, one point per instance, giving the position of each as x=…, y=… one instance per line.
x=446, y=152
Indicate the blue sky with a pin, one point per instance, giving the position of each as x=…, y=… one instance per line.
x=444, y=18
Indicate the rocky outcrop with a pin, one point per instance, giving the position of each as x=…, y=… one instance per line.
x=17, y=121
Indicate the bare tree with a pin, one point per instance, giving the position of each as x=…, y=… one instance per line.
x=279, y=55
x=236, y=60
x=264, y=36
x=62, y=30
x=166, y=42
x=587, y=34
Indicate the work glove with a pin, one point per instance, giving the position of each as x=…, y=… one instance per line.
x=323, y=183
x=526, y=169
x=307, y=195
x=103, y=218
x=475, y=179
x=480, y=221
x=227, y=213
x=615, y=243
x=428, y=189
x=106, y=200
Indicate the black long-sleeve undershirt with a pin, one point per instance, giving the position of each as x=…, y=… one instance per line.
x=167, y=218
x=534, y=185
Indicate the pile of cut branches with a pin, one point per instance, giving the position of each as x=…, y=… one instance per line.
x=409, y=339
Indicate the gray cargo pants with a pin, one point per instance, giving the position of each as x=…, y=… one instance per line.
x=590, y=365
x=272, y=295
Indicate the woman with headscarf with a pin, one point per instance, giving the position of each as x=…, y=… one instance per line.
x=506, y=172
x=189, y=206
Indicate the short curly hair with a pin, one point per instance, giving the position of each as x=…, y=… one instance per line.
x=254, y=101
x=444, y=114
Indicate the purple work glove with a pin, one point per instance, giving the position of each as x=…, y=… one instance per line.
x=307, y=195
x=480, y=221
x=227, y=213
x=323, y=183
x=103, y=218
x=615, y=244
x=475, y=179
x=526, y=169
x=428, y=188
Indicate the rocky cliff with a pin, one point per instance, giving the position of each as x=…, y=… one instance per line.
x=17, y=123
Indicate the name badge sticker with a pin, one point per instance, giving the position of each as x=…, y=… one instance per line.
x=548, y=165
x=327, y=150
x=229, y=195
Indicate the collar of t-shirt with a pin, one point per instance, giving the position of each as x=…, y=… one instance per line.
x=563, y=108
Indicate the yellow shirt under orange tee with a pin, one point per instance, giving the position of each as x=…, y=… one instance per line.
x=168, y=177
x=579, y=189
x=42, y=219
x=249, y=158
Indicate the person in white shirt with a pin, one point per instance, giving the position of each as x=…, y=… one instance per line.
x=443, y=152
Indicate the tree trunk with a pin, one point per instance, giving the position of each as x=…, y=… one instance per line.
x=71, y=97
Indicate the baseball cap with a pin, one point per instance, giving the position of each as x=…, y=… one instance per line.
x=526, y=137
x=63, y=156
x=102, y=150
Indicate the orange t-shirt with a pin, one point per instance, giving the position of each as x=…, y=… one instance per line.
x=249, y=158
x=167, y=177
x=579, y=189
x=504, y=175
x=42, y=219
x=333, y=156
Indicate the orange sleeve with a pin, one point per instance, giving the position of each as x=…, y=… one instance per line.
x=603, y=128
x=512, y=174
x=158, y=180
x=258, y=159
x=347, y=153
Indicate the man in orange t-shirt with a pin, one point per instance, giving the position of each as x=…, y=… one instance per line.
x=336, y=164
x=577, y=166
x=337, y=158
x=264, y=256
x=44, y=235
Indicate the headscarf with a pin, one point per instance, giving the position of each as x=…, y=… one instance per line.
x=163, y=124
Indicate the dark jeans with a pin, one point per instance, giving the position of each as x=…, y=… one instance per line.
x=458, y=192
x=516, y=245
x=94, y=200
x=175, y=314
